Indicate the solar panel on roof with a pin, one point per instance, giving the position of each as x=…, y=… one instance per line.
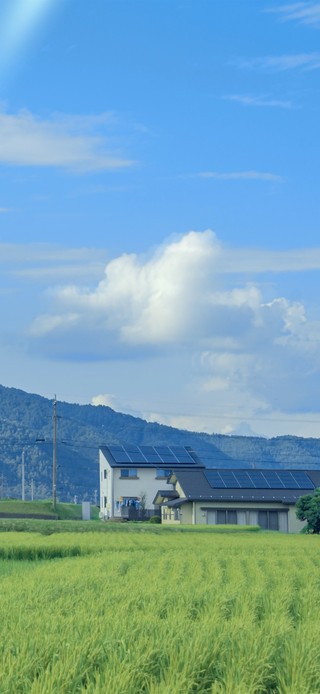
x=136, y=457
x=131, y=448
x=168, y=458
x=288, y=480
x=303, y=480
x=153, y=458
x=159, y=455
x=185, y=459
x=214, y=478
x=258, y=479
x=121, y=457
x=229, y=478
x=273, y=479
x=245, y=482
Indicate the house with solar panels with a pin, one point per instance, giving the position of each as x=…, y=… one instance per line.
x=130, y=477
x=238, y=497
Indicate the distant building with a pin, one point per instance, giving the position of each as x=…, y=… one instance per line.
x=130, y=477
x=238, y=497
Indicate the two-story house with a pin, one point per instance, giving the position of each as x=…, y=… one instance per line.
x=130, y=476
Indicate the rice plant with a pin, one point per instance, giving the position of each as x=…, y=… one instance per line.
x=124, y=613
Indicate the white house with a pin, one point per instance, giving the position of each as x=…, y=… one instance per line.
x=130, y=476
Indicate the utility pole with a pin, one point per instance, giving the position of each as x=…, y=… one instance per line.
x=54, y=456
x=22, y=475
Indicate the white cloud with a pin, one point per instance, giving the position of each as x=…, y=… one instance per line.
x=259, y=260
x=13, y=253
x=262, y=101
x=68, y=142
x=240, y=176
x=151, y=301
x=279, y=63
x=243, y=353
x=3, y=210
x=300, y=12
x=105, y=399
x=176, y=296
x=47, y=263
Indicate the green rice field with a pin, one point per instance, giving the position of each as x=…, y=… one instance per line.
x=159, y=612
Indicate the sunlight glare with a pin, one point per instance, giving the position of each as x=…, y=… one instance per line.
x=19, y=26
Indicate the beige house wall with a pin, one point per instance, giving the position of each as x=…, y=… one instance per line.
x=201, y=515
x=295, y=525
x=196, y=513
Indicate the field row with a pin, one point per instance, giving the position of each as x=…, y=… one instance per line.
x=164, y=613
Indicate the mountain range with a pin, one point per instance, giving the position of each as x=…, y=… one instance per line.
x=26, y=433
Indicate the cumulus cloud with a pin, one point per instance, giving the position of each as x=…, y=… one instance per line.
x=151, y=301
x=105, y=399
x=177, y=296
x=68, y=142
x=188, y=298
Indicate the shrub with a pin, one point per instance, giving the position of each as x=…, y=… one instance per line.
x=155, y=519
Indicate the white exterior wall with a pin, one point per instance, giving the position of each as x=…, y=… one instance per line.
x=113, y=487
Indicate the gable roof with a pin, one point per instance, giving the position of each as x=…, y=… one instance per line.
x=164, y=457
x=285, y=486
x=164, y=494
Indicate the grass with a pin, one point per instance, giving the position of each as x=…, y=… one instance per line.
x=44, y=508
x=147, y=612
x=49, y=527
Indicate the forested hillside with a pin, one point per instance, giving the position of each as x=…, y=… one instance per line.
x=81, y=429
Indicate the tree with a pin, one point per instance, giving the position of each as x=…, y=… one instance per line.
x=143, y=503
x=308, y=509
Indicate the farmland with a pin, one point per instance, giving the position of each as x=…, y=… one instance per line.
x=157, y=612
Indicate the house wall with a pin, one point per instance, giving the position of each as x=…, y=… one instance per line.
x=203, y=513
x=182, y=515
x=113, y=487
x=295, y=525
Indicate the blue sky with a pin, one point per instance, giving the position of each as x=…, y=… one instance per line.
x=159, y=208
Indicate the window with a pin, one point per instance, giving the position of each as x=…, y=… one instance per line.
x=268, y=520
x=129, y=472
x=163, y=473
x=129, y=501
x=104, y=474
x=273, y=520
x=232, y=517
x=221, y=517
x=176, y=514
x=105, y=501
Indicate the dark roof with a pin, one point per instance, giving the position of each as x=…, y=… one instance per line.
x=164, y=457
x=198, y=485
x=164, y=494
